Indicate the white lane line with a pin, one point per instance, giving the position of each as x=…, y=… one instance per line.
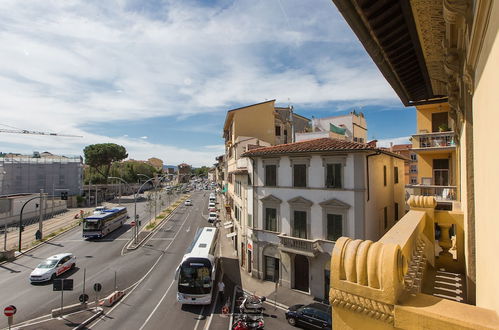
x=199, y=318
x=160, y=239
x=157, y=306
x=136, y=284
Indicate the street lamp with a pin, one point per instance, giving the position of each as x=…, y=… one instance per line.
x=135, y=208
x=119, y=187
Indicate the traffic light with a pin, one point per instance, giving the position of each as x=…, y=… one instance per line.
x=64, y=195
x=22, y=228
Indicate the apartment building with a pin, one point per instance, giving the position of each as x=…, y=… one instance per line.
x=308, y=194
x=436, y=268
x=351, y=127
x=245, y=128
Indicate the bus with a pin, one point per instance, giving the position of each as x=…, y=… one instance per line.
x=104, y=221
x=197, y=270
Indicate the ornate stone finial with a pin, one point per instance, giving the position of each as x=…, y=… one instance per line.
x=422, y=201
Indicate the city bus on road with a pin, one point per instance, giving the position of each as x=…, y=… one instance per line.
x=197, y=270
x=104, y=221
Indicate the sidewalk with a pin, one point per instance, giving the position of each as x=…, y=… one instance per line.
x=234, y=275
x=51, y=227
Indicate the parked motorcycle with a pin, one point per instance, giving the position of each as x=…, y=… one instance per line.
x=251, y=314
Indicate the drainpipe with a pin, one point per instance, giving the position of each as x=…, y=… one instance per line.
x=378, y=152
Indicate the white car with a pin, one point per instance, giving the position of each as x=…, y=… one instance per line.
x=211, y=205
x=53, y=267
x=188, y=202
x=212, y=217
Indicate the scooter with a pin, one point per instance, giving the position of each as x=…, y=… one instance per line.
x=251, y=314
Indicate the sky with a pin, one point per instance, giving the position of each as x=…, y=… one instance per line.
x=159, y=76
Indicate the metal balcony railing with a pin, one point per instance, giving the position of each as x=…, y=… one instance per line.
x=434, y=140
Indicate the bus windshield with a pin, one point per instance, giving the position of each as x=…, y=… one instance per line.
x=89, y=224
x=195, y=277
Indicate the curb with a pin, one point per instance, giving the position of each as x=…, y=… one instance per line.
x=91, y=319
x=151, y=232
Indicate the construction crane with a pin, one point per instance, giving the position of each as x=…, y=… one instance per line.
x=25, y=131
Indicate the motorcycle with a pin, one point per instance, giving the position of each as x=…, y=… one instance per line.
x=251, y=314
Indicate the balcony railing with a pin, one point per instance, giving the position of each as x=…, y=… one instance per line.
x=433, y=140
x=441, y=193
x=383, y=280
x=299, y=245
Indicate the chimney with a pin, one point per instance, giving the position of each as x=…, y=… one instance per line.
x=391, y=146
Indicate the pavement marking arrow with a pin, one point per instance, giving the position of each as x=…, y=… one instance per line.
x=457, y=285
x=456, y=291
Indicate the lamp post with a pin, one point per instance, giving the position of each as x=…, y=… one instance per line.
x=135, y=208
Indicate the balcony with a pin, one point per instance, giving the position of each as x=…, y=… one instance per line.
x=400, y=281
x=442, y=194
x=297, y=245
x=437, y=141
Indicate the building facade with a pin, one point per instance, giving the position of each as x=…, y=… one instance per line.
x=53, y=174
x=451, y=55
x=351, y=127
x=308, y=194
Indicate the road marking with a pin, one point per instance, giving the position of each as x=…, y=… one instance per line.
x=199, y=318
x=160, y=239
x=188, y=229
x=157, y=305
x=136, y=284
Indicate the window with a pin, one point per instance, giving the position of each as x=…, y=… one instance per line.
x=270, y=219
x=300, y=224
x=414, y=169
x=414, y=180
x=384, y=176
x=334, y=227
x=355, y=139
x=250, y=220
x=396, y=211
x=396, y=174
x=278, y=130
x=385, y=216
x=299, y=175
x=361, y=140
x=271, y=175
x=414, y=157
x=333, y=176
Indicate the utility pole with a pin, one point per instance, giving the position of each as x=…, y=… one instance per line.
x=40, y=221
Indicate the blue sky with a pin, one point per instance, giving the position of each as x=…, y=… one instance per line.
x=159, y=76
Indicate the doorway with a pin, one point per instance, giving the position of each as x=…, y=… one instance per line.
x=301, y=273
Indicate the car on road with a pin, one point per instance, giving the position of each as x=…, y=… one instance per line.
x=212, y=209
x=188, y=202
x=211, y=204
x=212, y=217
x=52, y=267
x=312, y=316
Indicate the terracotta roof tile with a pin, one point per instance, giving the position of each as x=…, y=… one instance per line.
x=322, y=144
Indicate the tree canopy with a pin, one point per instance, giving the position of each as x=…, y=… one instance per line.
x=101, y=156
x=201, y=171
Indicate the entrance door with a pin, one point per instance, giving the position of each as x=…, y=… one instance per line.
x=301, y=273
x=441, y=172
x=249, y=261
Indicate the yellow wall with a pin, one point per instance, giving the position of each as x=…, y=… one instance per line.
x=424, y=112
x=256, y=121
x=486, y=160
x=425, y=166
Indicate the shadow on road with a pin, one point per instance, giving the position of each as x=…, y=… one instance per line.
x=10, y=269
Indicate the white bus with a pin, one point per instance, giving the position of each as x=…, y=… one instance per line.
x=196, y=273
x=104, y=221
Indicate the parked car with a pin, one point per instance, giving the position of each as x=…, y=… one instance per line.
x=188, y=202
x=53, y=267
x=212, y=217
x=212, y=209
x=312, y=316
x=211, y=204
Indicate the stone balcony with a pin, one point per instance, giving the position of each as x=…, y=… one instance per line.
x=426, y=142
x=391, y=283
x=297, y=245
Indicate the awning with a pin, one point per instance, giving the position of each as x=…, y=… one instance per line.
x=336, y=129
x=231, y=235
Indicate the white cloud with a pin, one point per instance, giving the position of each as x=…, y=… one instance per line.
x=73, y=63
x=143, y=137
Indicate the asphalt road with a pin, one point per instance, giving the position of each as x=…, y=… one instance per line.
x=101, y=259
x=152, y=304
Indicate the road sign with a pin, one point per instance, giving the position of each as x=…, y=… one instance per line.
x=10, y=310
x=62, y=284
x=97, y=287
x=83, y=298
x=132, y=223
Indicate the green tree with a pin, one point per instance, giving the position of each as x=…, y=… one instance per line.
x=101, y=156
x=201, y=171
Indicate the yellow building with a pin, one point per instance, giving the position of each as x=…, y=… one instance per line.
x=436, y=149
x=440, y=56
x=257, y=125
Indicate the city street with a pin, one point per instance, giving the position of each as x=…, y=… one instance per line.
x=102, y=259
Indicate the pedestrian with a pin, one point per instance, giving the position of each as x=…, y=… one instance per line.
x=221, y=288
